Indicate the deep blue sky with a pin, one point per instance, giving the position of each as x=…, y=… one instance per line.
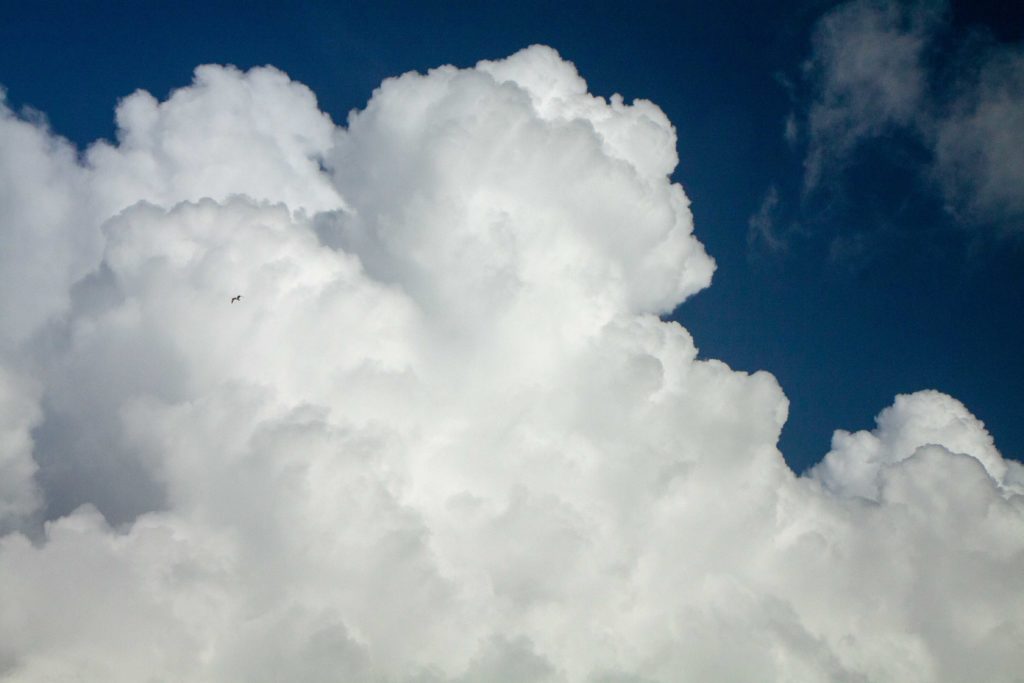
x=925, y=307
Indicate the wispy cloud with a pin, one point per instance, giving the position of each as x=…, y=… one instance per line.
x=978, y=141
x=879, y=68
x=762, y=228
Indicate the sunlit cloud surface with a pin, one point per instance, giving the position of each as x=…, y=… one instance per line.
x=444, y=435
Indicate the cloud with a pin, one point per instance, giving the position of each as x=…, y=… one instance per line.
x=445, y=435
x=879, y=71
x=868, y=75
x=977, y=143
x=856, y=461
x=763, y=232
x=43, y=191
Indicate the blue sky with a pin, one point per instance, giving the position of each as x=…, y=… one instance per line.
x=879, y=289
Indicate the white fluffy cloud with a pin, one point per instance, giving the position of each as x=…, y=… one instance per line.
x=444, y=436
x=880, y=67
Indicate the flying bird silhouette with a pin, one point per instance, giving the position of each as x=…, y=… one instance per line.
x=236, y=298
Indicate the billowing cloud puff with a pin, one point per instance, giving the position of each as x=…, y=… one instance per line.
x=444, y=435
x=856, y=462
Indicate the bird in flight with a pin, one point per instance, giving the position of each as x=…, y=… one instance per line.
x=236, y=298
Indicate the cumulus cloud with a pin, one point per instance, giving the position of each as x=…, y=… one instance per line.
x=445, y=435
x=880, y=69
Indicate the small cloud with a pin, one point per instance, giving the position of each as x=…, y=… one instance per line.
x=867, y=76
x=852, y=252
x=790, y=129
x=874, y=79
x=762, y=231
x=979, y=145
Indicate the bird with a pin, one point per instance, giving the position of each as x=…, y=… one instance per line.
x=236, y=298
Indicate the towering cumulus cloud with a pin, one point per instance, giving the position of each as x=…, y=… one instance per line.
x=444, y=435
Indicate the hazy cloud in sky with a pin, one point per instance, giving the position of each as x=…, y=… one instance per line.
x=444, y=436
x=978, y=142
x=880, y=68
x=763, y=230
